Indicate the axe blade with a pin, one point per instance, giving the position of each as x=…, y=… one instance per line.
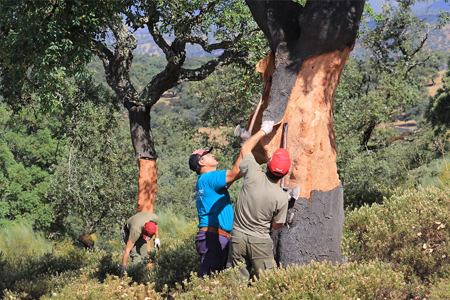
x=292, y=193
x=295, y=193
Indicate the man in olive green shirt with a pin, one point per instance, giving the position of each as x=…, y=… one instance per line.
x=139, y=231
x=262, y=204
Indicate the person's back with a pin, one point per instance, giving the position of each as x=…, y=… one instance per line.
x=262, y=204
x=259, y=201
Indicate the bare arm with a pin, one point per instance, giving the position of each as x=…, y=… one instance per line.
x=248, y=146
x=235, y=173
x=126, y=252
x=276, y=226
x=148, y=245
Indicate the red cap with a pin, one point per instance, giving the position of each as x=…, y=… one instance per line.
x=280, y=162
x=149, y=230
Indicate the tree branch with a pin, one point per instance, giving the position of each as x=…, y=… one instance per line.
x=228, y=57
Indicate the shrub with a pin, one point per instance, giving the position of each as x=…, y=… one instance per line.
x=409, y=231
x=34, y=277
x=174, y=263
x=440, y=290
x=374, y=280
x=107, y=266
x=20, y=242
x=84, y=288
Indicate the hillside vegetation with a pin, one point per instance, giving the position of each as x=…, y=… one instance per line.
x=68, y=169
x=411, y=261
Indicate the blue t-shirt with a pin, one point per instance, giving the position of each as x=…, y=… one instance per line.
x=213, y=201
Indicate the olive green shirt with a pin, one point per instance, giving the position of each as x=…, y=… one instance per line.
x=136, y=224
x=260, y=201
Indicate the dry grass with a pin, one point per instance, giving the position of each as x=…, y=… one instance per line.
x=437, y=84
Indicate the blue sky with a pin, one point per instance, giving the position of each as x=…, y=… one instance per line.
x=436, y=4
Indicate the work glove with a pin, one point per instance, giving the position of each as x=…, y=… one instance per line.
x=242, y=134
x=157, y=243
x=123, y=270
x=267, y=126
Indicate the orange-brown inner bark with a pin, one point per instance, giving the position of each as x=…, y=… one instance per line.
x=309, y=113
x=148, y=175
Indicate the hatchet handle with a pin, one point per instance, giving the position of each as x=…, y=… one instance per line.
x=285, y=131
x=258, y=106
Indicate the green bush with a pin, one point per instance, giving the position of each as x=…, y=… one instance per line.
x=373, y=280
x=174, y=263
x=398, y=250
x=34, y=277
x=409, y=231
x=84, y=288
x=106, y=266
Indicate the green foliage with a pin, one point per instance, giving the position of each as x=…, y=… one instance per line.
x=93, y=184
x=408, y=231
x=174, y=225
x=107, y=266
x=301, y=2
x=439, y=104
x=28, y=262
x=388, y=84
x=168, y=271
x=20, y=242
x=315, y=281
x=38, y=55
x=177, y=245
x=398, y=250
x=30, y=146
x=175, y=180
x=374, y=174
x=229, y=96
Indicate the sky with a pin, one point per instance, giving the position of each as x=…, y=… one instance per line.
x=436, y=4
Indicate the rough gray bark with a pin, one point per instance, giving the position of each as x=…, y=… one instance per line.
x=313, y=230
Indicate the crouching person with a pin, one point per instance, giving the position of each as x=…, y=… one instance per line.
x=139, y=231
x=262, y=204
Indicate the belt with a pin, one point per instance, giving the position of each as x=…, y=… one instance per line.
x=216, y=230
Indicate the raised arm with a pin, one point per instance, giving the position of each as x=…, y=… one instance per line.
x=235, y=173
x=248, y=146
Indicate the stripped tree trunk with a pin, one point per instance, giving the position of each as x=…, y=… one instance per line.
x=310, y=46
x=141, y=136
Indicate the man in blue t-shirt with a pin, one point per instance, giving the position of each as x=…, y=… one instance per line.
x=215, y=213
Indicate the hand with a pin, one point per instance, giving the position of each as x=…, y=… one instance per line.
x=157, y=243
x=242, y=134
x=124, y=269
x=267, y=126
x=244, y=137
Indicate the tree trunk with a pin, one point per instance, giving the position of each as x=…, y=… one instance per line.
x=141, y=136
x=310, y=46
